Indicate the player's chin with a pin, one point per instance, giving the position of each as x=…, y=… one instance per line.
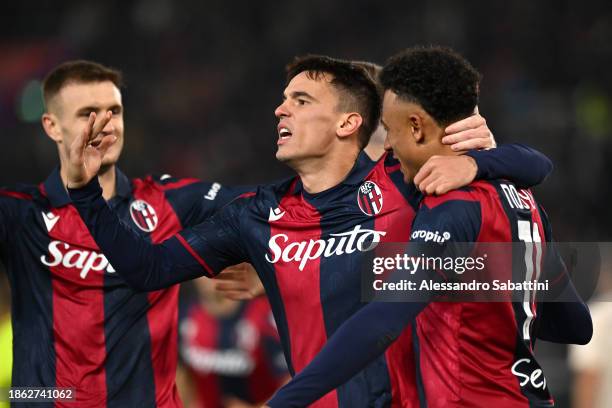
x=283, y=155
x=109, y=159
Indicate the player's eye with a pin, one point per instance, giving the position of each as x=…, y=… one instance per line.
x=302, y=101
x=116, y=111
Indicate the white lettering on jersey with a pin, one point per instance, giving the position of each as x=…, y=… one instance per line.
x=212, y=193
x=518, y=199
x=75, y=258
x=536, y=378
x=359, y=239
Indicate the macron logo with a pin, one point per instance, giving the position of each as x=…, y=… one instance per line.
x=275, y=214
x=50, y=220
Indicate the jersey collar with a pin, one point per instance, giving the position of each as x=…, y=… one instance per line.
x=58, y=196
x=363, y=166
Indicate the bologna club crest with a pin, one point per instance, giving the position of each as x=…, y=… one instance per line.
x=143, y=215
x=369, y=198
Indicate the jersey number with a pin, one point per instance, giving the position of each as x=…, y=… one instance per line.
x=529, y=233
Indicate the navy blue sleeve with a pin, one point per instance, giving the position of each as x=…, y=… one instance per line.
x=4, y=217
x=9, y=209
x=521, y=164
x=145, y=266
x=368, y=333
x=564, y=317
x=194, y=200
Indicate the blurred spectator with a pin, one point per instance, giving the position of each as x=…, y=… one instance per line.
x=230, y=351
x=592, y=364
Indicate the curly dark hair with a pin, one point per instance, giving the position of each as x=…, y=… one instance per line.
x=440, y=80
x=354, y=82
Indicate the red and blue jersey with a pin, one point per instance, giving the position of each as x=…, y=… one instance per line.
x=307, y=250
x=75, y=321
x=466, y=354
x=234, y=356
x=478, y=353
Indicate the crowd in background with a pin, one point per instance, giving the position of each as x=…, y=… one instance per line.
x=203, y=79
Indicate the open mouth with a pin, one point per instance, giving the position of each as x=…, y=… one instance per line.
x=283, y=134
x=96, y=142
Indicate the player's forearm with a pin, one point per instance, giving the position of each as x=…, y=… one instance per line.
x=525, y=166
x=567, y=321
x=357, y=342
x=565, y=318
x=142, y=265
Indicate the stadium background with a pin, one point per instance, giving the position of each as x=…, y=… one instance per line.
x=203, y=79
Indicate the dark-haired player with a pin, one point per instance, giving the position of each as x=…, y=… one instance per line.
x=93, y=345
x=304, y=235
x=76, y=323
x=467, y=354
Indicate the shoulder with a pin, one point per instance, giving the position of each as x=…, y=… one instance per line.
x=456, y=215
x=268, y=195
x=21, y=194
x=164, y=182
x=473, y=192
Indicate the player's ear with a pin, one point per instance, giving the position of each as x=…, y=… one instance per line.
x=349, y=124
x=415, y=127
x=51, y=125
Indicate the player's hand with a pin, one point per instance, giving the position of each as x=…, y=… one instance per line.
x=88, y=149
x=440, y=174
x=469, y=134
x=239, y=282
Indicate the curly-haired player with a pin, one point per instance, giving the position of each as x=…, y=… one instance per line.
x=467, y=354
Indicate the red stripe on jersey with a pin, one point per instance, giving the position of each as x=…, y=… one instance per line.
x=78, y=313
x=396, y=219
x=301, y=290
x=15, y=194
x=434, y=201
x=173, y=185
x=195, y=255
x=394, y=168
x=467, y=349
x=246, y=195
x=162, y=315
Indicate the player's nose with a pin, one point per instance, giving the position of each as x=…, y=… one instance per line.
x=387, y=145
x=109, y=128
x=281, y=111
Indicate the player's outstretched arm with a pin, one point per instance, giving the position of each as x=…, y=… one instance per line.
x=523, y=165
x=144, y=266
x=519, y=163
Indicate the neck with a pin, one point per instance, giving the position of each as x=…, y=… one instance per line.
x=374, y=151
x=107, y=179
x=324, y=173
